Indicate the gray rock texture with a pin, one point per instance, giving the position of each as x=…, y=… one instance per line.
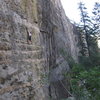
x=35, y=71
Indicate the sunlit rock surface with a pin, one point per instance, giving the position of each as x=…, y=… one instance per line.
x=35, y=71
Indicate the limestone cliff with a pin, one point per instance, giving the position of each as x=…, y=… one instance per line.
x=35, y=71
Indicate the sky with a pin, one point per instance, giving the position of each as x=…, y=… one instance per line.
x=71, y=8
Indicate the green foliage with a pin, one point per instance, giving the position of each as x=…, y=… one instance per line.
x=44, y=78
x=67, y=57
x=86, y=62
x=84, y=77
x=94, y=51
x=85, y=84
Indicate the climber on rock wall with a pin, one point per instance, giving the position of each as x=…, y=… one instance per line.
x=29, y=37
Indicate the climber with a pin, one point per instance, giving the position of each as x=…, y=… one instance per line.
x=29, y=37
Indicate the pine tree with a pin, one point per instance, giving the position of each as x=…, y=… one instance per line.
x=96, y=18
x=91, y=29
x=85, y=19
x=84, y=24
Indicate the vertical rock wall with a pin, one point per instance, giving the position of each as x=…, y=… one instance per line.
x=35, y=71
x=20, y=62
x=60, y=45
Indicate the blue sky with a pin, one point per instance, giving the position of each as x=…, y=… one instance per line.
x=71, y=8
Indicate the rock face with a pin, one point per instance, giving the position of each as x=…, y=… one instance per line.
x=35, y=71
